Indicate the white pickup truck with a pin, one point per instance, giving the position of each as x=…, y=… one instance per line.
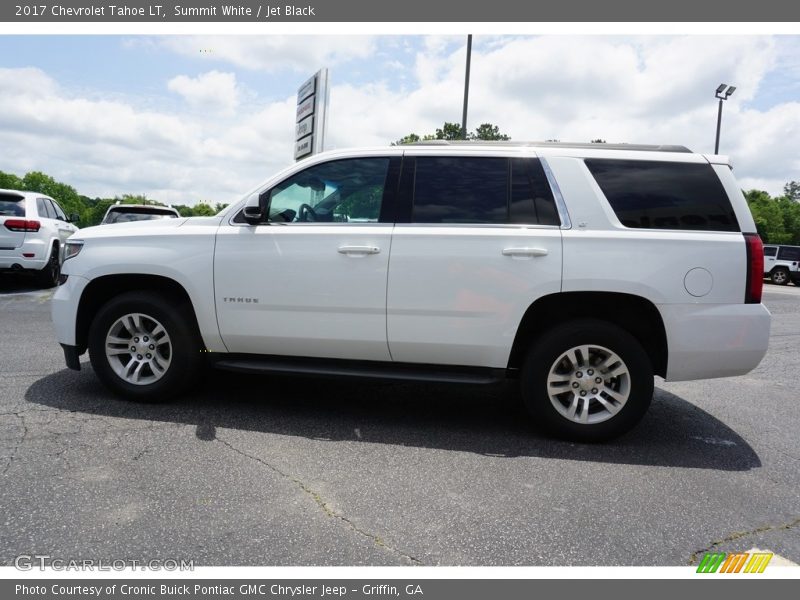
x=581, y=270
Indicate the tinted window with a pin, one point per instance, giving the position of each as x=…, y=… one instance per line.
x=770, y=250
x=59, y=213
x=343, y=191
x=531, y=198
x=789, y=253
x=45, y=209
x=664, y=195
x=12, y=206
x=461, y=190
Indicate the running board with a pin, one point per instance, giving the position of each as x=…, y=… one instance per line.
x=359, y=369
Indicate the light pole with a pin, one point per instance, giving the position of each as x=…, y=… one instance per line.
x=724, y=92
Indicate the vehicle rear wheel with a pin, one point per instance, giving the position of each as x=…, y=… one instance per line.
x=144, y=346
x=48, y=276
x=587, y=380
x=780, y=276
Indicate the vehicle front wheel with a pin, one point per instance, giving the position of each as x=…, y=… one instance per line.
x=145, y=347
x=780, y=276
x=587, y=380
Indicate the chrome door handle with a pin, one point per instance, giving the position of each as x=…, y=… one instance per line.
x=358, y=250
x=524, y=252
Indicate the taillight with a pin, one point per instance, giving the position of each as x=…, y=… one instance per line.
x=755, y=268
x=22, y=225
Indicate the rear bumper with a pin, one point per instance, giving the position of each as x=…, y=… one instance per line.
x=716, y=340
x=13, y=260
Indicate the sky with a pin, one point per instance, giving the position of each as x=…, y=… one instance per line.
x=196, y=118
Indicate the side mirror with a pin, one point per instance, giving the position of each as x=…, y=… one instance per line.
x=73, y=218
x=255, y=211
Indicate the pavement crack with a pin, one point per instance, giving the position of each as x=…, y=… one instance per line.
x=18, y=444
x=736, y=535
x=324, y=506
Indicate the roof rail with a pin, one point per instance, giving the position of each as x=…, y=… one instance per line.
x=593, y=146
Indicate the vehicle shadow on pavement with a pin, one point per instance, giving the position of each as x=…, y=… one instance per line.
x=484, y=420
x=16, y=283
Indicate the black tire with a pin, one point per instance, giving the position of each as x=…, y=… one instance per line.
x=184, y=347
x=600, y=336
x=780, y=276
x=48, y=276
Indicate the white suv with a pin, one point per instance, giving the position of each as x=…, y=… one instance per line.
x=782, y=264
x=581, y=270
x=33, y=232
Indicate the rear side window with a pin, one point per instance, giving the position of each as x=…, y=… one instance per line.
x=461, y=190
x=45, y=209
x=789, y=253
x=770, y=250
x=12, y=206
x=664, y=195
x=484, y=190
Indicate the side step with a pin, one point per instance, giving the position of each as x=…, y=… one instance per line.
x=282, y=365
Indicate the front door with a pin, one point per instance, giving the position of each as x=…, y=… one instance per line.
x=311, y=279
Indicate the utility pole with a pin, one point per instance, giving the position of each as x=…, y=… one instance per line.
x=466, y=89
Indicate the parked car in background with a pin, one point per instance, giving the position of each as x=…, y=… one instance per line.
x=782, y=263
x=33, y=232
x=125, y=213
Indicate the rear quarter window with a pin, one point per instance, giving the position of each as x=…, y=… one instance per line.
x=789, y=253
x=664, y=195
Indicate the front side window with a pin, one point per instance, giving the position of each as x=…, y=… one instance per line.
x=59, y=213
x=664, y=195
x=341, y=191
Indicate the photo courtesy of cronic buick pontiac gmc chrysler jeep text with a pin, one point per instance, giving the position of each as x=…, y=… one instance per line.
x=581, y=270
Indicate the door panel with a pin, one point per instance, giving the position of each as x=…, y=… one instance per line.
x=303, y=290
x=456, y=295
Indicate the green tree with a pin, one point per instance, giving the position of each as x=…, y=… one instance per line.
x=487, y=131
x=9, y=181
x=768, y=217
x=453, y=131
x=792, y=190
x=203, y=210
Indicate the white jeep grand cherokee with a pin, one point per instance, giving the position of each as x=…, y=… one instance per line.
x=582, y=270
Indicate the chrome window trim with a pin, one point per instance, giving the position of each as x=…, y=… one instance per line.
x=561, y=206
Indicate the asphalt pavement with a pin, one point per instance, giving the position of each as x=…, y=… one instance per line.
x=291, y=471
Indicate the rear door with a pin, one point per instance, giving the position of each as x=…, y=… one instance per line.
x=477, y=241
x=12, y=211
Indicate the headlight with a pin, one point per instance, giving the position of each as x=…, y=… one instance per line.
x=72, y=248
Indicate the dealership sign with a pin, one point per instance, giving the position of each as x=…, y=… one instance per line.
x=310, y=116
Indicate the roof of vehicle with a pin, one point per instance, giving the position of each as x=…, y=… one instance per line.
x=22, y=193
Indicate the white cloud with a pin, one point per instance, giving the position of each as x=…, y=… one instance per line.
x=573, y=88
x=213, y=90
